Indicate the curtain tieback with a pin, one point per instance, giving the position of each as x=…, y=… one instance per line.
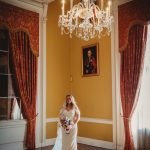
x=124, y=117
x=30, y=120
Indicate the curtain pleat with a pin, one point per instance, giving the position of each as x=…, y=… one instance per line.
x=130, y=75
x=24, y=64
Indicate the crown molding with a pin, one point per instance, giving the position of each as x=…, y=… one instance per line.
x=121, y=2
x=50, y=1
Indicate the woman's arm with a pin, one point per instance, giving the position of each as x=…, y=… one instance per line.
x=76, y=117
x=61, y=116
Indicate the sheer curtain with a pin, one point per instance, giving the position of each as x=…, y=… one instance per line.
x=141, y=117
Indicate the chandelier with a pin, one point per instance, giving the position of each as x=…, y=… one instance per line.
x=86, y=20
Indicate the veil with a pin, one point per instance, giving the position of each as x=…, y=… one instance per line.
x=58, y=142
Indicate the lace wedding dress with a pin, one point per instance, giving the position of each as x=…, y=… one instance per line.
x=67, y=141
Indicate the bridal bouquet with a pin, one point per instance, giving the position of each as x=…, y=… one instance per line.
x=65, y=122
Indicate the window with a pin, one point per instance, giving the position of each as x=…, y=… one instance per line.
x=9, y=108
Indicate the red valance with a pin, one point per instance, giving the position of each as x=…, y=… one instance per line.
x=18, y=19
x=134, y=12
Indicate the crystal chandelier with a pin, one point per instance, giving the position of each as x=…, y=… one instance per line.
x=86, y=20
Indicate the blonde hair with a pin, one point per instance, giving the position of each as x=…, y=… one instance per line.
x=73, y=102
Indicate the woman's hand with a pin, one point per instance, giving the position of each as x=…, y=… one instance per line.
x=69, y=127
x=72, y=123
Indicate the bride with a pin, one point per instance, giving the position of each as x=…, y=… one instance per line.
x=67, y=126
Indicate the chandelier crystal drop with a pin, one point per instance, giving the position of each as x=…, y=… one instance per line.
x=86, y=20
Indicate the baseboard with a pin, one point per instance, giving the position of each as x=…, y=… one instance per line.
x=39, y=145
x=46, y=142
x=87, y=141
x=96, y=143
x=49, y=142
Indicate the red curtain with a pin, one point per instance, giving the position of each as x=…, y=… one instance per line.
x=17, y=19
x=135, y=11
x=131, y=69
x=23, y=26
x=24, y=64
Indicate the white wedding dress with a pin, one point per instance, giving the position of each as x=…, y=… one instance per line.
x=67, y=141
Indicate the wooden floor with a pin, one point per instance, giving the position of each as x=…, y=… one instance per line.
x=80, y=147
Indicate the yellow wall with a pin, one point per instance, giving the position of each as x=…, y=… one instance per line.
x=93, y=94
x=58, y=63
x=95, y=131
x=51, y=129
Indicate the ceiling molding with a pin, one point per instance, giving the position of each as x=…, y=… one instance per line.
x=49, y=1
x=42, y=1
x=26, y=4
x=32, y=2
x=121, y=2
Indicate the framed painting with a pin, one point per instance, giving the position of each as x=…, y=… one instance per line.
x=90, y=62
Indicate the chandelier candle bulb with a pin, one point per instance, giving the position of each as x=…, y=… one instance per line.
x=71, y=4
x=63, y=6
x=101, y=4
x=62, y=10
x=109, y=4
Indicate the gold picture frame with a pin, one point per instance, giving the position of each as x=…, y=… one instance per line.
x=90, y=60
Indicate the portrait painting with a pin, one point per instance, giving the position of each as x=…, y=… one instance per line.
x=90, y=60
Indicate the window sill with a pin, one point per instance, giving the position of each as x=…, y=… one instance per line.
x=12, y=123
